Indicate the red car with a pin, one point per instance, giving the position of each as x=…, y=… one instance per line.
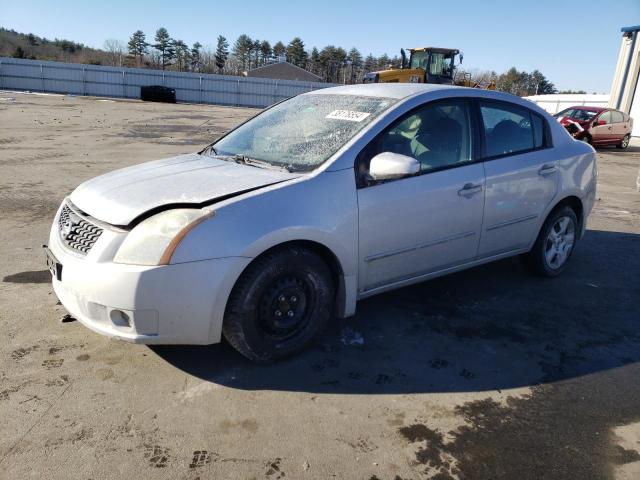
x=597, y=125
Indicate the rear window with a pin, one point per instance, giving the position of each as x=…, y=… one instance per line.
x=510, y=129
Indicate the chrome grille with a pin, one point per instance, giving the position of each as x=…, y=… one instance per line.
x=77, y=232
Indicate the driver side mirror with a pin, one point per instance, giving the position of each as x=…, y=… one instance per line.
x=598, y=123
x=390, y=166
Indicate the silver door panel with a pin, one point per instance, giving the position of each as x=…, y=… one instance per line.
x=417, y=225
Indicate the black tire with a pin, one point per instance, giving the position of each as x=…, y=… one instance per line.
x=303, y=280
x=625, y=142
x=536, y=259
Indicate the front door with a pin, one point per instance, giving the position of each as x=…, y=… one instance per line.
x=429, y=222
x=601, y=134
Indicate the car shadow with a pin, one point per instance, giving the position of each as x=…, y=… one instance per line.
x=614, y=149
x=492, y=327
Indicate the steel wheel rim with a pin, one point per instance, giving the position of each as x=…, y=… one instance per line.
x=284, y=307
x=559, y=242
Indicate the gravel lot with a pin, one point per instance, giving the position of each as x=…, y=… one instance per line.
x=488, y=373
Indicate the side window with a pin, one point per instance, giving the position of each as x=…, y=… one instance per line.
x=616, y=117
x=605, y=117
x=437, y=135
x=509, y=129
x=437, y=64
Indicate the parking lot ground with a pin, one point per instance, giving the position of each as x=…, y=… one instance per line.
x=488, y=373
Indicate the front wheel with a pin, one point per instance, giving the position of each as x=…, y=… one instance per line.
x=555, y=243
x=280, y=304
x=625, y=142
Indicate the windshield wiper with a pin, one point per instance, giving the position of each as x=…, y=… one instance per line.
x=209, y=151
x=244, y=160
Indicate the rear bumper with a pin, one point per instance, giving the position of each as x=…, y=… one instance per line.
x=171, y=304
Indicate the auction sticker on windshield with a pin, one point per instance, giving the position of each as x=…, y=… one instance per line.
x=350, y=115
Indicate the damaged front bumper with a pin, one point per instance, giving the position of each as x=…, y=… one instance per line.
x=168, y=304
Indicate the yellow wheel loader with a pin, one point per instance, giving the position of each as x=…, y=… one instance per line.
x=427, y=65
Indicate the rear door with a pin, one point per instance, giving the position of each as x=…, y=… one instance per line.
x=428, y=222
x=620, y=127
x=521, y=176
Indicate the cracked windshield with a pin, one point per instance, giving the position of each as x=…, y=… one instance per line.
x=301, y=133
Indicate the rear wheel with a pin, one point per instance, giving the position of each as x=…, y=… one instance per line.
x=280, y=304
x=555, y=243
x=624, y=143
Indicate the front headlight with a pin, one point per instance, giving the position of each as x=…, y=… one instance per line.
x=153, y=241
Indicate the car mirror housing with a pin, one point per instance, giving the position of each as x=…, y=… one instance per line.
x=389, y=166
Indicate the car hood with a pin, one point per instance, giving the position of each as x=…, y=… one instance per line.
x=123, y=195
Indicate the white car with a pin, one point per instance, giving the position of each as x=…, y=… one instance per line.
x=319, y=201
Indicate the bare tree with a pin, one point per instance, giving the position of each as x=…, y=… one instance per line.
x=115, y=48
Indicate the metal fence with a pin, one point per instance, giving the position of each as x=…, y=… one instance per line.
x=99, y=81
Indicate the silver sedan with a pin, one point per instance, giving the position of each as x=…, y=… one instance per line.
x=315, y=203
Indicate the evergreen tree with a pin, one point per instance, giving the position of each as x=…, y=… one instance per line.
x=296, y=53
x=181, y=55
x=222, y=53
x=332, y=60
x=137, y=45
x=279, y=49
x=164, y=45
x=370, y=64
x=255, y=53
x=383, y=61
x=242, y=50
x=314, y=64
x=265, y=51
x=196, y=57
x=540, y=85
x=355, y=63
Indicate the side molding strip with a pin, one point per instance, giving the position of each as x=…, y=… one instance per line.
x=511, y=222
x=378, y=256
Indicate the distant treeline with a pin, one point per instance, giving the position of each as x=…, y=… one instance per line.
x=331, y=63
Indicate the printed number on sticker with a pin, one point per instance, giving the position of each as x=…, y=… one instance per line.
x=350, y=115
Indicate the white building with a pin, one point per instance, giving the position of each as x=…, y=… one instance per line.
x=555, y=102
x=625, y=90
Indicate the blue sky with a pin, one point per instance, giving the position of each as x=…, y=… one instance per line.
x=575, y=44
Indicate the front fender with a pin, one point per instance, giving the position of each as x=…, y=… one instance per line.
x=320, y=208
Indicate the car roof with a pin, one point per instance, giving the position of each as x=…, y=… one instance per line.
x=587, y=107
x=389, y=90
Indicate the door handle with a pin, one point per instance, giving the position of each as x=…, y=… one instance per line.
x=547, y=170
x=469, y=189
